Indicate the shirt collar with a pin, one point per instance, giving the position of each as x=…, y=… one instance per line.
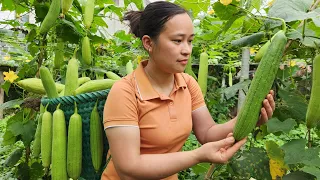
x=144, y=87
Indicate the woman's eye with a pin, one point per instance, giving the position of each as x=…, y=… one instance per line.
x=177, y=40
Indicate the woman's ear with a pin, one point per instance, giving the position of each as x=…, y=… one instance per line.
x=147, y=43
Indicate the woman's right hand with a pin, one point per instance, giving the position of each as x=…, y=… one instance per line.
x=219, y=151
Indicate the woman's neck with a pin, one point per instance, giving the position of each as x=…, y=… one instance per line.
x=160, y=80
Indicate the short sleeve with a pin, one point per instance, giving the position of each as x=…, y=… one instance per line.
x=120, y=108
x=195, y=91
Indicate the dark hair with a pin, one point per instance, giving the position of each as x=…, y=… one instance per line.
x=151, y=20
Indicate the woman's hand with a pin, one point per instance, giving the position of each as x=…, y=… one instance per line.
x=219, y=151
x=267, y=109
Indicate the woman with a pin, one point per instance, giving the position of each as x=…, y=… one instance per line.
x=150, y=113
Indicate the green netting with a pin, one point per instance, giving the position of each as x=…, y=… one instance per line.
x=85, y=103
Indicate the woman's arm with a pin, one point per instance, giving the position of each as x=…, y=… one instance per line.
x=130, y=164
x=206, y=130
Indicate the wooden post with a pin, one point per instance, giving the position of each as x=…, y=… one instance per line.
x=245, y=67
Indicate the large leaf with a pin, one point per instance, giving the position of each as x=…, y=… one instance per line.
x=274, y=151
x=277, y=169
x=22, y=127
x=194, y=5
x=312, y=170
x=36, y=171
x=253, y=163
x=310, y=38
x=7, y=5
x=224, y=12
x=293, y=105
x=274, y=125
x=276, y=155
x=251, y=25
x=292, y=10
x=11, y=104
x=298, y=175
x=23, y=171
x=8, y=138
x=295, y=152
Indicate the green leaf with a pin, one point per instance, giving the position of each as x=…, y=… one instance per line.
x=31, y=35
x=33, y=48
x=6, y=86
x=11, y=104
x=298, y=175
x=7, y=5
x=297, y=10
x=229, y=23
x=253, y=163
x=123, y=36
x=100, y=22
x=29, y=130
x=18, y=127
x=255, y=4
x=274, y=125
x=8, y=138
x=251, y=25
x=310, y=37
x=114, y=9
x=97, y=39
x=37, y=171
x=312, y=170
x=295, y=152
x=201, y=168
x=138, y=3
x=23, y=171
x=233, y=90
x=13, y=23
x=311, y=157
x=224, y=12
x=77, y=5
x=13, y=158
x=274, y=151
x=104, y=2
x=194, y=6
x=15, y=125
x=294, y=105
x=68, y=31
x=41, y=10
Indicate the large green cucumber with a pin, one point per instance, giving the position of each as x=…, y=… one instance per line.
x=313, y=112
x=260, y=87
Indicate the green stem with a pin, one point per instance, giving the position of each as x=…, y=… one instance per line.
x=284, y=27
x=75, y=52
x=75, y=108
x=309, y=138
x=303, y=29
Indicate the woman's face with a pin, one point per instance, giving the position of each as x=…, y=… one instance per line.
x=174, y=45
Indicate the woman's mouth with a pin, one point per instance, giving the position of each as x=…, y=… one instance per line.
x=183, y=62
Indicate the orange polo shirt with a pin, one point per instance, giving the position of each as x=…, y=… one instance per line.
x=165, y=122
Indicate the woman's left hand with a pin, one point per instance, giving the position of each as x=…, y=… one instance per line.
x=267, y=109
